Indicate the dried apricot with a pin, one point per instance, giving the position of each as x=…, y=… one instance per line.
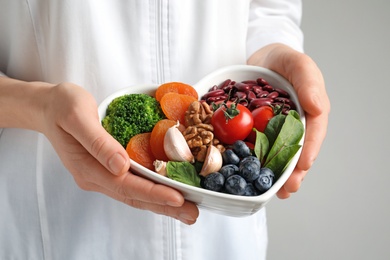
x=157, y=138
x=175, y=105
x=139, y=150
x=175, y=87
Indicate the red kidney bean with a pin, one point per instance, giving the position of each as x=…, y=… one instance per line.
x=227, y=88
x=282, y=100
x=215, y=99
x=250, y=82
x=261, y=82
x=268, y=88
x=259, y=102
x=242, y=86
x=250, y=95
x=214, y=93
x=224, y=83
x=282, y=92
x=273, y=94
x=262, y=94
x=257, y=89
x=213, y=88
x=240, y=95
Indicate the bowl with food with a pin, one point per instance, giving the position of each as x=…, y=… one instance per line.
x=228, y=143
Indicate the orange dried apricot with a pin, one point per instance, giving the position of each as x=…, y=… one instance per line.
x=175, y=87
x=157, y=138
x=175, y=105
x=139, y=150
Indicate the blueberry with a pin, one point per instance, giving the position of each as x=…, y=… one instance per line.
x=236, y=185
x=250, y=190
x=214, y=181
x=252, y=159
x=249, y=170
x=265, y=180
x=228, y=170
x=229, y=157
x=241, y=149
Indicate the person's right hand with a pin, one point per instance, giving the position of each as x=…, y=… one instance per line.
x=69, y=119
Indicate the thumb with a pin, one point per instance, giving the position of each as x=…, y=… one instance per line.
x=101, y=145
x=109, y=152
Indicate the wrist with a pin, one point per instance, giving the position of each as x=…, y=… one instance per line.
x=22, y=103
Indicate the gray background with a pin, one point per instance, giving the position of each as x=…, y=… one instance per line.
x=342, y=209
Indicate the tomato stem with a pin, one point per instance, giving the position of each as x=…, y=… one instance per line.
x=229, y=112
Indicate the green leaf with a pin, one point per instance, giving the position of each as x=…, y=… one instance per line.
x=294, y=114
x=261, y=145
x=273, y=128
x=183, y=172
x=286, y=143
x=280, y=161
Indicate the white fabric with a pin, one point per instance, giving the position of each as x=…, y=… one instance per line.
x=104, y=46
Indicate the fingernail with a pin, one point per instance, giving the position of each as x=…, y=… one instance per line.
x=116, y=163
x=317, y=102
x=174, y=203
x=184, y=217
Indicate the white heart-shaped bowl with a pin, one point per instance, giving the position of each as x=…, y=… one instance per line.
x=226, y=204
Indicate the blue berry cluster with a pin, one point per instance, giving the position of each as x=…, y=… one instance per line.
x=241, y=173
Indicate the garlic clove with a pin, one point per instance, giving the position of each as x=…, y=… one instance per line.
x=176, y=147
x=160, y=167
x=213, y=161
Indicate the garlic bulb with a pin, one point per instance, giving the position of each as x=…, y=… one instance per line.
x=160, y=167
x=176, y=147
x=213, y=161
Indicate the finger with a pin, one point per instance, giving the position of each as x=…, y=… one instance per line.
x=138, y=188
x=127, y=185
x=187, y=212
x=316, y=128
x=309, y=84
x=314, y=137
x=99, y=143
x=132, y=189
x=282, y=193
x=293, y=184
x=91, y=173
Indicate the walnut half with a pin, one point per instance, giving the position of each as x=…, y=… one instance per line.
x=198, y=112
x=199, y=132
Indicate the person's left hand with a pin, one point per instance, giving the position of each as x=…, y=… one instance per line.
x=308, y=82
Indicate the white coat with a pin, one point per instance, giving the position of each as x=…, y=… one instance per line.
x=104, y=46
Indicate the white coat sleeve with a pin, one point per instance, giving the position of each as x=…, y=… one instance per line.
x=274, y=21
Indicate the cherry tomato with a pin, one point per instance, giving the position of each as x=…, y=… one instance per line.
x=229, y=130
x=261, y=117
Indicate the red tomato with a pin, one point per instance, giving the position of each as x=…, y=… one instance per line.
x=261, y=117
x=228, y=131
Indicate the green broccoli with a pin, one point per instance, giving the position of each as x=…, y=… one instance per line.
x=131, y=114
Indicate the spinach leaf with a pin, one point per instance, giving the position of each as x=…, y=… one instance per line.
x=273, y=128
x=280, y=161
x=286, y=143
x=261, y=146
x=183, y=172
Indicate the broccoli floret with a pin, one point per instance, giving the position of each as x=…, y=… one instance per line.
x=131, y=114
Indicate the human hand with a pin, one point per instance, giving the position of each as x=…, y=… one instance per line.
x=97, y=161
x=309, y=84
